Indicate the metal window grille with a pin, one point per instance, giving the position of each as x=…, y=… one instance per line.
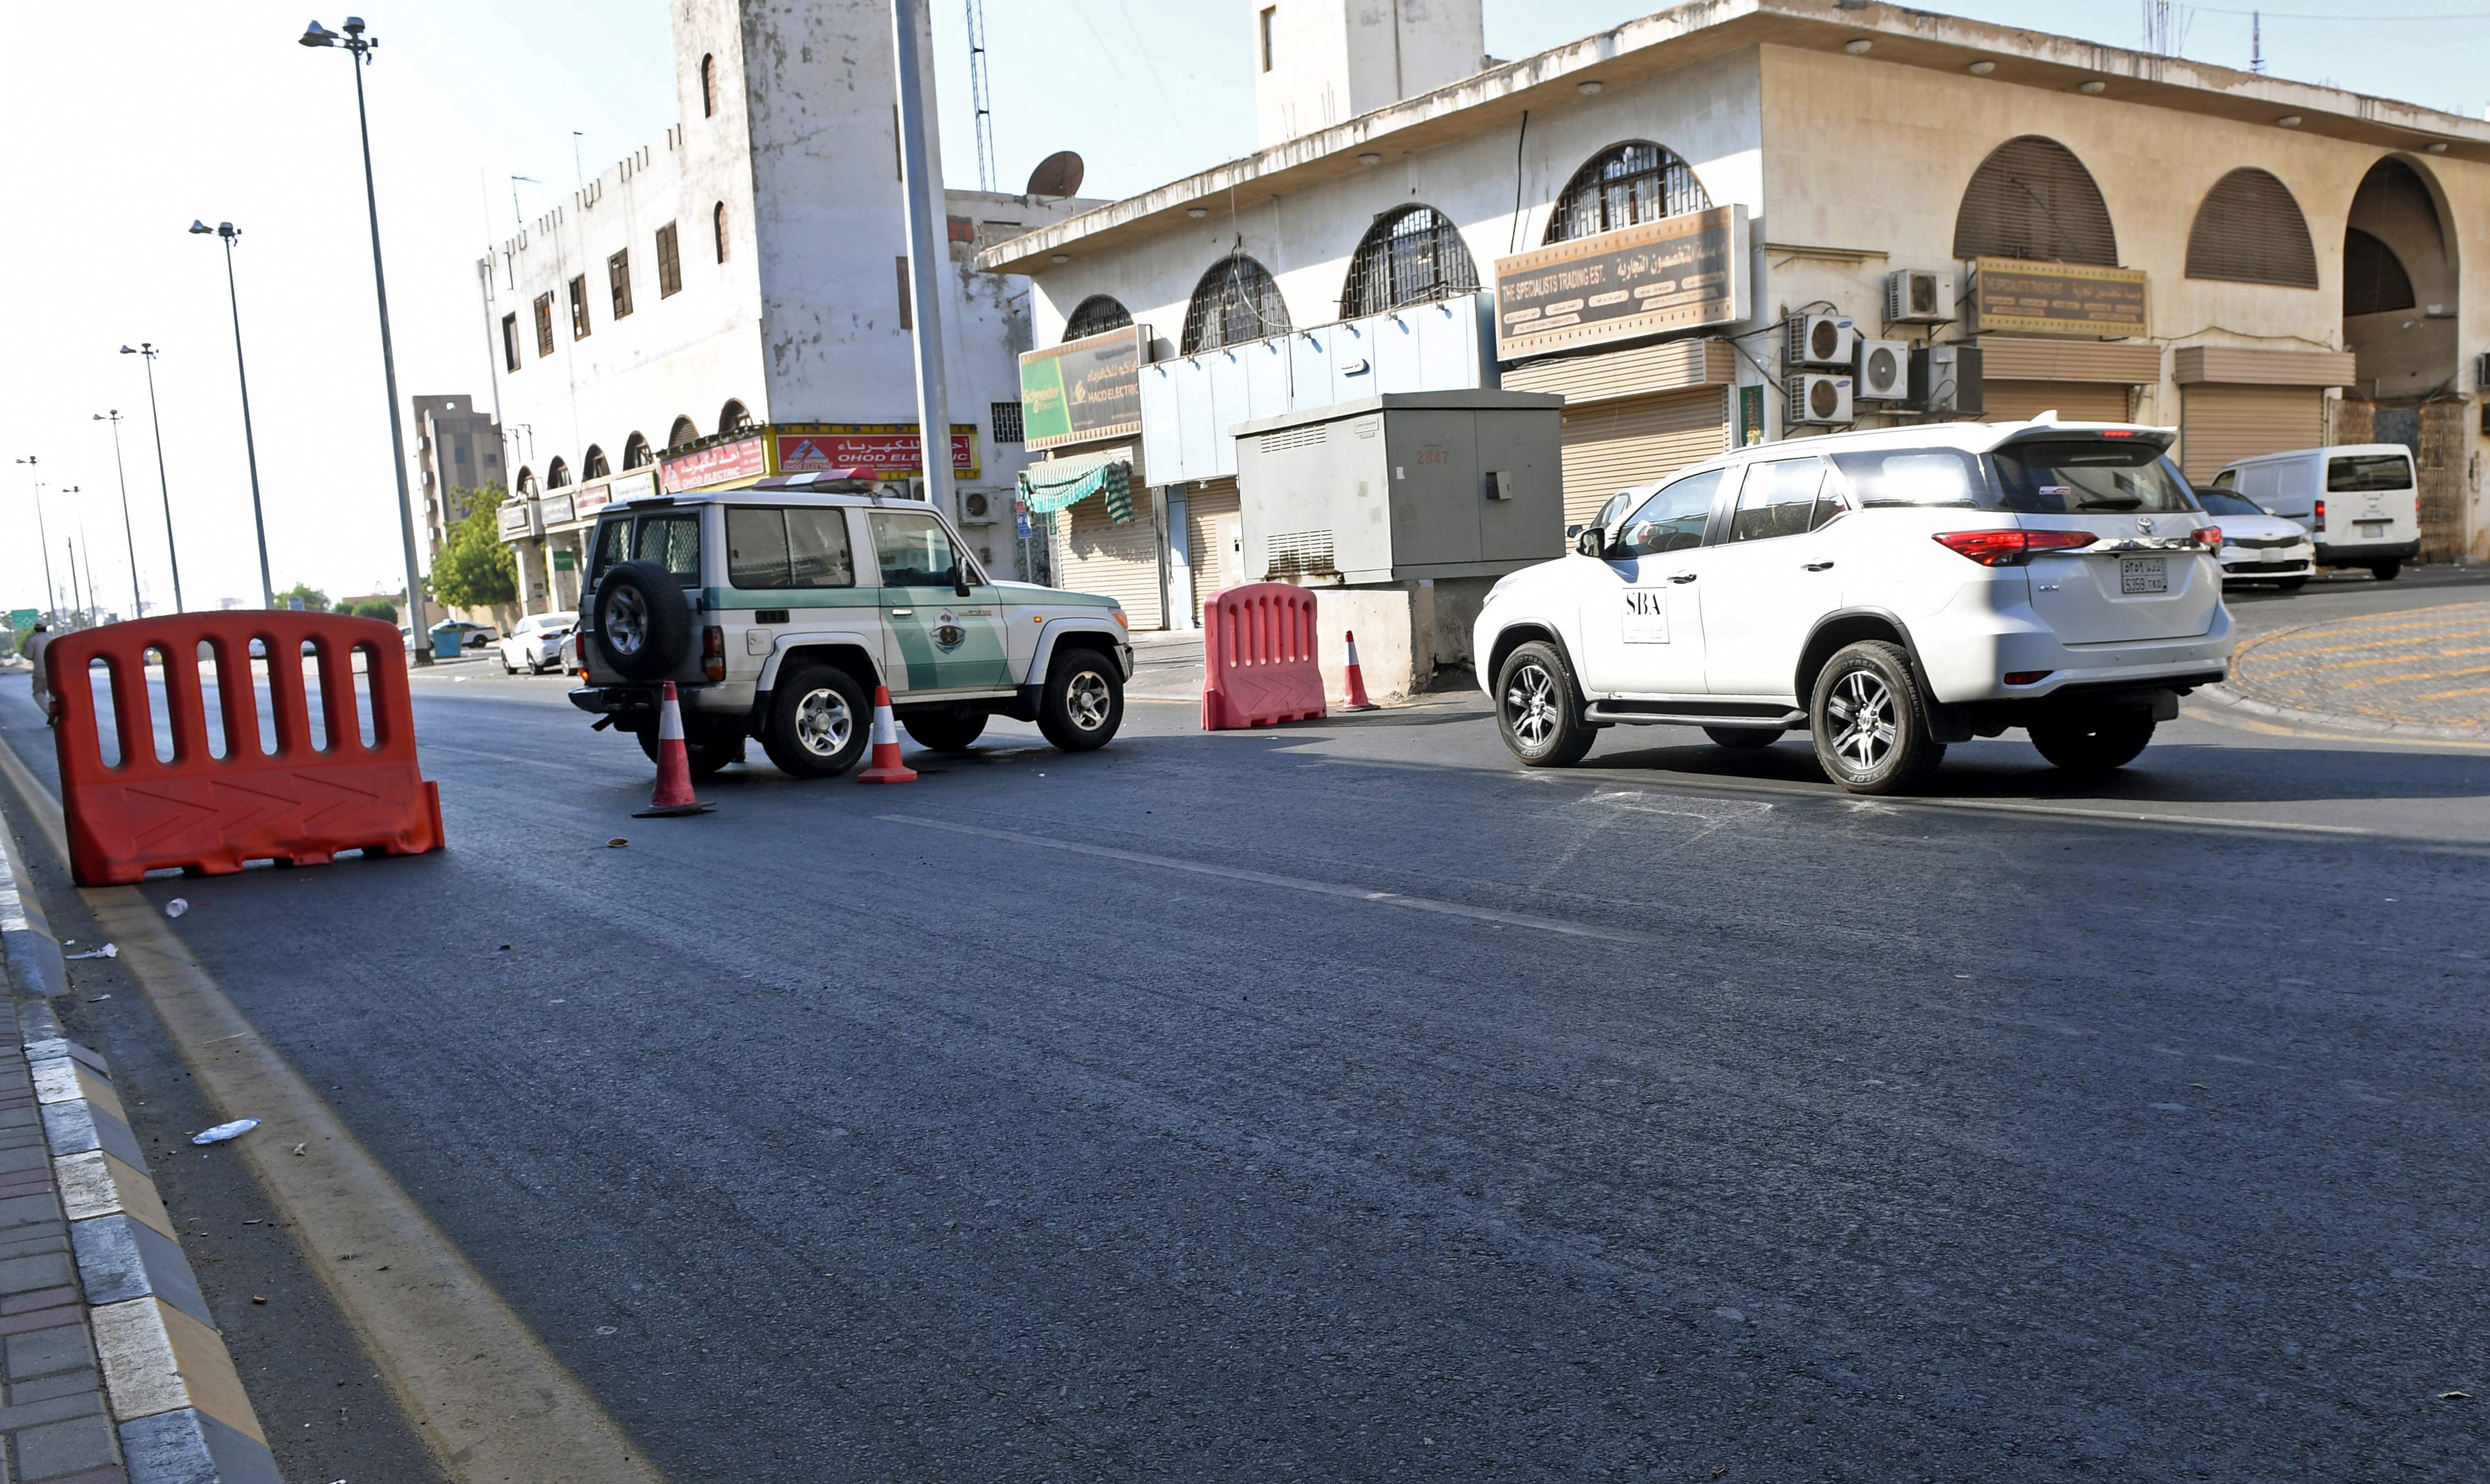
x=2249, y=230
x=1096, y=315
x=1410, y=256
x=557, y=474
x=669, y=264
x=1006, y=422
x=1236, y=301
x=2030, y=198
x=1623, y=185
x=544, y=326
x=618, y=278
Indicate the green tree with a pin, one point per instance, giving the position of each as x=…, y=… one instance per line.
x=376, y=608
x=475, y=569
x=313, y=599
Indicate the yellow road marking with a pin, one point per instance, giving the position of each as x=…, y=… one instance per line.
x=2220, y=716
x=2384, y=659
x=477, y=1385
x=2479, y=690
x=2419, y=675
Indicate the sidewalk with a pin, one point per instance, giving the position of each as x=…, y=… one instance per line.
x=87, y=1255
x=2424, y=673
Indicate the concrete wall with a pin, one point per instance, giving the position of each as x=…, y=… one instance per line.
x=1335, y=59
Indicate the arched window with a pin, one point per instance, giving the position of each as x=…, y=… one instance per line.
x=1098, y=314
x=635, y=452
x=685, y=431
x=527, y=480
x=708, y=87
x=2250, y=231
x=592, y=464
x=557, y=474
x=1236, y=301
x=1623, y=184
x=734, y=417
x=1411, y=255
x=2374, y=279
x=2030, y=198
x=717, y=229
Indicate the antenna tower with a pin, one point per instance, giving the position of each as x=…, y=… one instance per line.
x=2256, y=41
x=977, y=97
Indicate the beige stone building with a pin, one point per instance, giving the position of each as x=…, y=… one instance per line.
x=2262, y=264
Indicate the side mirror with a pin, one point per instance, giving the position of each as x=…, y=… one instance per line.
x=1591, y=541
x=959, y=578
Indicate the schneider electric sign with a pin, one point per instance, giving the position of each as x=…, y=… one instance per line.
x=1084, y=388
x=1679, y=273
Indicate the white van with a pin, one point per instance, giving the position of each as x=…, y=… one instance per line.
x=2360, y=501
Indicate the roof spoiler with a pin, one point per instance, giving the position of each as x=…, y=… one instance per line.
x=2049, y=425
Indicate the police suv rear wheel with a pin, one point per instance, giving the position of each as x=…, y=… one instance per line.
x=818, y=721
x=952, y=729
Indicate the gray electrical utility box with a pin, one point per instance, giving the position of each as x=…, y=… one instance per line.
x=1384, y=489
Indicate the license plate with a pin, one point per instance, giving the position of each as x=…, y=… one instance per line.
x=2276, y=557
x=2370, y=527
x=2143, y=574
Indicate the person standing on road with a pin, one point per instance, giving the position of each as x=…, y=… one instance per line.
x=38, y=639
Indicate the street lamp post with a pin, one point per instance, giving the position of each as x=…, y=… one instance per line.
x=43, y=538
x=137, y=604
x=358, y=46
x=172, y=551
x=85, y=596
x=250, y=449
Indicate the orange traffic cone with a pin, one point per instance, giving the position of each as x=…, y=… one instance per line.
x=885, y=767
x=674, y=792
x=1357, y=700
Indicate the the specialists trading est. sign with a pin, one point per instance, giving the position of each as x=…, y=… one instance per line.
x=2057, y=299
x=1679, y=273
x=1084, y=388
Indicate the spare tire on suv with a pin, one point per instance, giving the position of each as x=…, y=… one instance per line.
x=641, y=621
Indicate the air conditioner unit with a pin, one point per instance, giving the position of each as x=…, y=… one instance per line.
x=1819, y=341
x=976, y=505
x=1918, y=295
x=1818, y=400
x=1946, y=378
x=1884, y=371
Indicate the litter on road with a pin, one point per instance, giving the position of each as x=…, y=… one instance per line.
x=109, y=950
x=224, y=1132
x=177, y=907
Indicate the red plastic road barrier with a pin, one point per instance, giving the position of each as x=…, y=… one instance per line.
x=208, y=815
x=1258, y=658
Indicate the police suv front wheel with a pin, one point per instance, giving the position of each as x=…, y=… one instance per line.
x=1536, y=709
x=820, y=721
x=1082, y=704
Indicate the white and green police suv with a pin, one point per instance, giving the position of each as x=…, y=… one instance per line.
x=776, y=610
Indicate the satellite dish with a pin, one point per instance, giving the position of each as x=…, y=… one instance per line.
x=1056, y=175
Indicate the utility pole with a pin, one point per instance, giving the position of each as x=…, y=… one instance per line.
x=920, y=176
x=137, y=604
x=43, y=539
x=358, y=47
x=85, y=594
x=978, y=101
x=249, y=446
x=172, y=550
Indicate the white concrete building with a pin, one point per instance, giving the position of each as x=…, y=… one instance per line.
x=747, y=274
x=2263, y=264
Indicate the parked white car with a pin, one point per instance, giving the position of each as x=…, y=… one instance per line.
x=2259, y=546
x=1890, y=591
x=2360, y=501
x=536, y=644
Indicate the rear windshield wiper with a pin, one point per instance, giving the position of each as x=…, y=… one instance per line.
x=2114, y=502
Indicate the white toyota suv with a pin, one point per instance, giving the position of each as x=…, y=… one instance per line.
x=1890, y=590
x=777, y=609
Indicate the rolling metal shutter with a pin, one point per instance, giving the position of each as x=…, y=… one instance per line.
x=1092, y=553
x=2219, y=422
x=1613, y=445
x=2074, y=401
x=1203, y=505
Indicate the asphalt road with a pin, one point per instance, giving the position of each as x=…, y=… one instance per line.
x=1341, y=1102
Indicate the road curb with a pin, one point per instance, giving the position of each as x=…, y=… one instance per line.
x=2336, y=721
x=116, y=1280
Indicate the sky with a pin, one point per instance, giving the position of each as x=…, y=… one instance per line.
x=213, y=113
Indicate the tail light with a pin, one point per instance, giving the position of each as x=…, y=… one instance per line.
x=2321, y=515
x=2011, y=548
x=714, y=653
x=2209, y=538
